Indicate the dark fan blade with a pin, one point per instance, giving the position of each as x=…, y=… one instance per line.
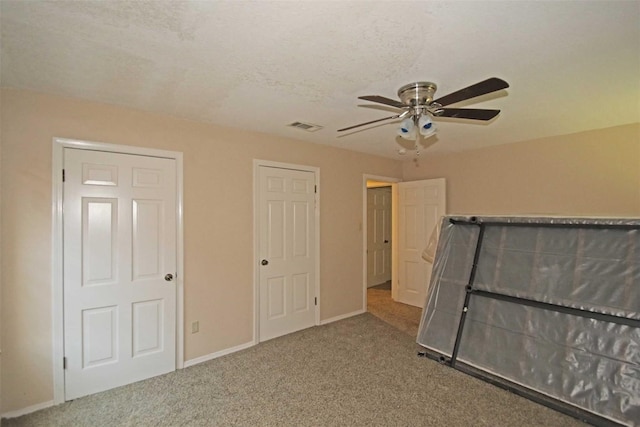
x=383, y=100
x=368, y=123
x=468, y=113
x=490, y=85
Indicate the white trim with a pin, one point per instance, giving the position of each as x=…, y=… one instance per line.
x=211, y=356
x=342, y=317
x=59, y=144
x=179, y=261
x=365, y=178
x=256, y=249
x=56, y=274
x=28, y=409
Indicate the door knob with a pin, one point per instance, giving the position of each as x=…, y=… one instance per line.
x=264, y=262
x=386, y=241
x=168, y=277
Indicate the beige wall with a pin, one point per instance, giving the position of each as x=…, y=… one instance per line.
x=590, y=173
x=218, y=217
x=594, y=173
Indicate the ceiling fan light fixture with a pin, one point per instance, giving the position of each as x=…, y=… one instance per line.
x=407, y=129
x=427, y=127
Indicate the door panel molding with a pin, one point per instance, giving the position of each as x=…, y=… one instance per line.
x=59, y=144
x=257, y=164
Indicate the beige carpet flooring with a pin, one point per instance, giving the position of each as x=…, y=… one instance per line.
x=402, y=316
x=359, y=371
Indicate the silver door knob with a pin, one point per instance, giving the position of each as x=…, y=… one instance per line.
x=168, y=277
x=264, y=262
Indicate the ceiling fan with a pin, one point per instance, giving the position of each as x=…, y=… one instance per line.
x=418, y=105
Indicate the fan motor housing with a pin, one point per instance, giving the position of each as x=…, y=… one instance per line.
x=417, y=94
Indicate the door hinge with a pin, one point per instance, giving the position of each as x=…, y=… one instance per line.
x=315, y=188
x=63, y=175
x=315, y=300
x=64, y=363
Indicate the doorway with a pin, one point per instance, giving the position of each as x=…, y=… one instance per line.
x=378, y=233
x=416, y=207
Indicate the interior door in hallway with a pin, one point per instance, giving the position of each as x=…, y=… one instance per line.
x=119, y=225
x=287, y=251
x=421, y=204
x=378, y=235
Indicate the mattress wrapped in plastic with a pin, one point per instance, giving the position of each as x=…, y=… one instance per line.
x=550, y=305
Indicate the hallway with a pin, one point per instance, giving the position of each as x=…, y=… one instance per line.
x=402, y=316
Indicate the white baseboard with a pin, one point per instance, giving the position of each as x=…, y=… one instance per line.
x=342, y=316
x=217, y=354
x=28, y=409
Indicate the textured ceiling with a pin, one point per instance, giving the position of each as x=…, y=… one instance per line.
x=572, y=66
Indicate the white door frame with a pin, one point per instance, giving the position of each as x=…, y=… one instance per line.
x=256, y=246
x=394, y=215
x=59, y=144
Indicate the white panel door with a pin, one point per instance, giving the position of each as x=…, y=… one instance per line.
x=119, y=243
x=378, y=235
x=287, y=255
x=421, y=204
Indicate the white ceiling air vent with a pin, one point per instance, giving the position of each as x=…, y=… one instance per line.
x=305, y=126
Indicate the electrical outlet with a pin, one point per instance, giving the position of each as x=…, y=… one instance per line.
x=195, y=327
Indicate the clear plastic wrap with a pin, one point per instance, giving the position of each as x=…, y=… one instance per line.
x=588, y=355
